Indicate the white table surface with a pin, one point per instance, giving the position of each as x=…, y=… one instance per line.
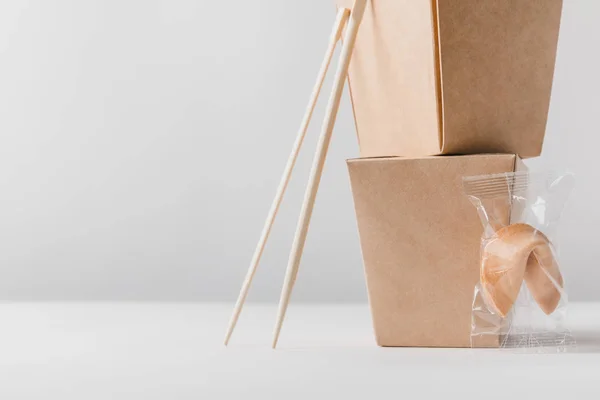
x=174, y=351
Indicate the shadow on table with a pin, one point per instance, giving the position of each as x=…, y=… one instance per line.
x=587, y=342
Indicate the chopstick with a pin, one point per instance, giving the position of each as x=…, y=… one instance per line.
x=340, y=22
x=318, y=163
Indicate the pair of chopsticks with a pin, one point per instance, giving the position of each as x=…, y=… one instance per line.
x=353, y=18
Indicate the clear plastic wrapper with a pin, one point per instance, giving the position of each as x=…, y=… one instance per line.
x=520, y=299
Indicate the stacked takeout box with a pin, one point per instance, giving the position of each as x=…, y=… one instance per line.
x=440, y=89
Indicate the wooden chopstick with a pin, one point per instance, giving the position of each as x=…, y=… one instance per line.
x=349, y=40
x=338, y=27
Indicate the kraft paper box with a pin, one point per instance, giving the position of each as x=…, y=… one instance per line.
x=420, y=239
x=434, y=77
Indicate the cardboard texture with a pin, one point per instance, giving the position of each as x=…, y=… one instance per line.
x=420, y=239
x=434, y=77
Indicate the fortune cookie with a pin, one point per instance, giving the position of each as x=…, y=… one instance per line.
x=518, y=253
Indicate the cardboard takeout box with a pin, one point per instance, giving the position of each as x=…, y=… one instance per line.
x=420, y=239
x=434, y=77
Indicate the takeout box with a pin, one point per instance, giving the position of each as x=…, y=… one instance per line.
x=420, y=239
x=432, y=77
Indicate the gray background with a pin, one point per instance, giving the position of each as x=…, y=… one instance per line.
x=142, y=142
